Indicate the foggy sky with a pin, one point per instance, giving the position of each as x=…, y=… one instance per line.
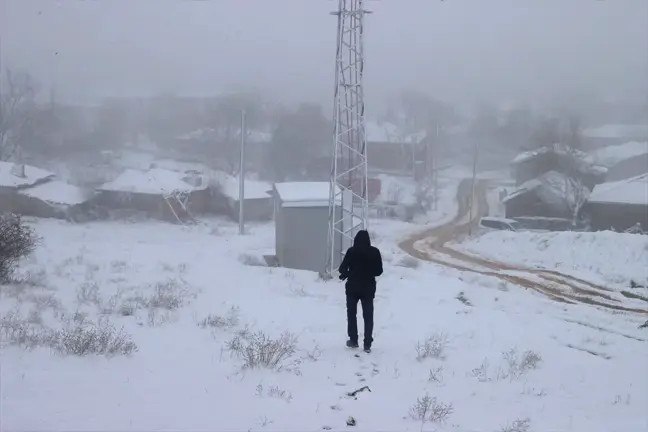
x=459, y=50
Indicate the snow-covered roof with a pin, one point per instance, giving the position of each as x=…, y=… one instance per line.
x=56, y=192
x=390, y=133
x=528, y=155
x=253, y=189
x=612, y=155
x=552, y=188
x=617, y=131
x=154, y=181
x=630, y=191
x=584, y=162
x=303, y=194
x=10, y=178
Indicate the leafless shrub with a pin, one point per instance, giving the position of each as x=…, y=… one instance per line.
x=231, y=319
x=408, y=262
x=463, y=299
x=252, y=260
x=433, y=347
x=258, y=350
x=314, y=354
x=429, y=409
x=274, y=391
x=157, y=317
x=14, y=330
x=515, y=367
x=43, y=301
x=264, y=421
x=109, y=307
x=17, y=241
x=103, y=339
x=127, y=309
x=481, y=372
x=32, y=279
x=436, y=375
x=170, y=295
x=88, y=293
x=78, y=339
x=518, y=425
x=512, y=368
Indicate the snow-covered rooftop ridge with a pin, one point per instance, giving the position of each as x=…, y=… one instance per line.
x=154, y=181
x=390, y=133
x=557, y=148
x=636, y=131
x=11, y=175
x=612, y=155
x=584, y=162
x=553, y=188
x=630, y=191
x=56, y=192
x=303, y=194
x=254, y=189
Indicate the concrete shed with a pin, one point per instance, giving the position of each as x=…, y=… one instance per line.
x=257, y=205
x=301, y=225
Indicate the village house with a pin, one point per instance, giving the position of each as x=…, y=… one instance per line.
x=619, y=205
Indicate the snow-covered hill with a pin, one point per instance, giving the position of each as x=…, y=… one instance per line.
x=614, y=258
x=194, y=307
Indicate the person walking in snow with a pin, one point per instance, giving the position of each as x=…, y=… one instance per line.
x=361, y=265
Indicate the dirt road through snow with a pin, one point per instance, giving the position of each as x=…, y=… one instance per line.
x=430, y=245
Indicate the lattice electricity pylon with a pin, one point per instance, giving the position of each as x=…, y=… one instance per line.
x=348, y=200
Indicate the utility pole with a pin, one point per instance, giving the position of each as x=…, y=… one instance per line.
x=242, y=175
x=435, y=172
x=348, y=182
x=472, y=192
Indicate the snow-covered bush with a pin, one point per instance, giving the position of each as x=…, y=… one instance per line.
x=81, y=340
x=433, y=347
x=78, y=338
x=231, y=319
x=17, y=241
x=429, y=409
x=258, y=350
x=518, y=425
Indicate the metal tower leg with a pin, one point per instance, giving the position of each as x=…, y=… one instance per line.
x=348, y=201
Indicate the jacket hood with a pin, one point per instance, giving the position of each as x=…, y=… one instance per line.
x=362, y=239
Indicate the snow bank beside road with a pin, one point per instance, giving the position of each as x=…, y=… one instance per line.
x=614, y=257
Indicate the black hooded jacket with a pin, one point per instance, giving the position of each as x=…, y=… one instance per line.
x=362, y=263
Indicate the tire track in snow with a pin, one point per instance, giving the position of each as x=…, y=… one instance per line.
x=430, y=245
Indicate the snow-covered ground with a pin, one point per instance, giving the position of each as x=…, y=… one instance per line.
x=610, y=257
x=189, y=298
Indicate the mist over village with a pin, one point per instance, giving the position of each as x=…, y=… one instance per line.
x=237, y=215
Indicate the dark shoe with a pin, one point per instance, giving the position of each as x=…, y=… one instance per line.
x=352, y=344
x=367, y=349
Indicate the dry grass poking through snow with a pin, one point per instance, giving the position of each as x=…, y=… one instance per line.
x=229, y=320
x=77, y=338
x=518, y=425
x=430, y=410
x=258, y=350
x=513, y=366
x=433, y=347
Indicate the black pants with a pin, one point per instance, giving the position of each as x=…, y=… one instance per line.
x=367, y=314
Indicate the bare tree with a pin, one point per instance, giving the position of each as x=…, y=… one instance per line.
x=571, y=190
x=17, y=94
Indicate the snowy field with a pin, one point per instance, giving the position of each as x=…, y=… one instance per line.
x=607, y=257
x=193, y=309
